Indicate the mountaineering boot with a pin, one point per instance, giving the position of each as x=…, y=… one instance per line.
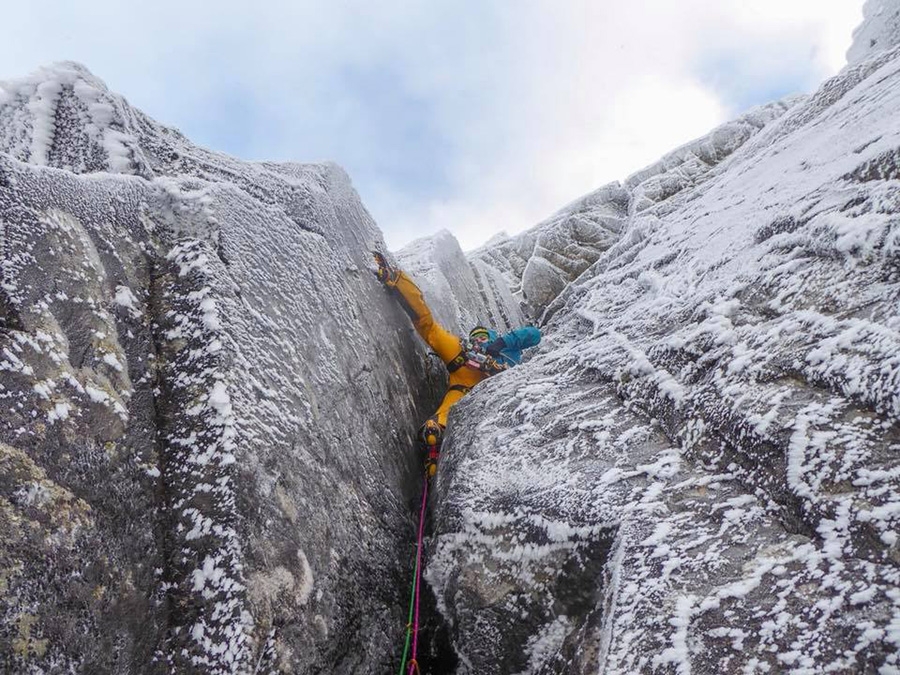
x=432, y=434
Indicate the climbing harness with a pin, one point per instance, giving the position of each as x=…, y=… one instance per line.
x=459, y=360
x=412, y=623
x=471, y=355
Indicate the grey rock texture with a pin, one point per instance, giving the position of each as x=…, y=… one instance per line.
x=208, y=403
x=879, y=31
x=698, y=471
x=539, y=263
x=462, y=294
x=206, y=442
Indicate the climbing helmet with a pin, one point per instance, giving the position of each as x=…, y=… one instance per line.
x=479, y=334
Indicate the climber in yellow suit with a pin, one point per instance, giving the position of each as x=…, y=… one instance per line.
x=468, y=362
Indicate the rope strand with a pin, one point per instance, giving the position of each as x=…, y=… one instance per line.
x=415, y=635
x=412, y=622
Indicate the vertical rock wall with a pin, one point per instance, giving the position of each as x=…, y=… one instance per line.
x=209, y=403
x=697, y=471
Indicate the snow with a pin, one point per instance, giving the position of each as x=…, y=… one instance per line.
x=879, y=30
x=695, y=472
x=125, y=298
x=112, y=360
x=59, y=411
x=741, y=339
x=43, y=108
x=238, y=296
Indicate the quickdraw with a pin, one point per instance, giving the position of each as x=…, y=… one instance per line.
x=484, y=362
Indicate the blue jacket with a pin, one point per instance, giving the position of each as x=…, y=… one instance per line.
x=515, y=341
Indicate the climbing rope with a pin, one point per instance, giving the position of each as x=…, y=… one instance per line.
x=412, y=622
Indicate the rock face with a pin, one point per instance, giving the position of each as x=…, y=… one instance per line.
x=880, y=30
x=461, y=294
x=698, y=471
x=206, y=438
x=540, y=263
x=208, y=403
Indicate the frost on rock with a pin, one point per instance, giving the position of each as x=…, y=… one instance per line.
x=540, y=263
x=879, y=31
x=536, y=265
x=209, y=406
x=698, y=470
x=208, y=402
x=461, y=294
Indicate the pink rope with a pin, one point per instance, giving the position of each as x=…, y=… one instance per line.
x=413, y=667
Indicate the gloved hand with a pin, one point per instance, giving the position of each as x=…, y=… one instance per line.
x=495, y=347
x=385, y=273
x=491, y=366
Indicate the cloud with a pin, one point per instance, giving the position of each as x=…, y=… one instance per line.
x=474, y=117
x=594, y=91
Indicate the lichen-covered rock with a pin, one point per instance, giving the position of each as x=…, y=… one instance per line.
x=698, y=470
x=208, y=403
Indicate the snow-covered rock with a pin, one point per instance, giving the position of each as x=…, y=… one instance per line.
x=460, y=294
x=539, y=264
x=208, y=403
x=698, y=471
x=206, y=439
x=880, y=30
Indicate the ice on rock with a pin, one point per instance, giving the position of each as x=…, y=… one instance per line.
x=879, y=31
x=540, y=263
x=716, y=422
x=461, y=293
x=185, y=336
x=209, y=404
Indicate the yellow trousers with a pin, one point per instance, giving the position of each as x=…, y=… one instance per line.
x=444, y=343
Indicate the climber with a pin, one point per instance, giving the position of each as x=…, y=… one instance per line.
x=468, y=361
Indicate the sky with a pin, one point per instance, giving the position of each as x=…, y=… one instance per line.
x=474, y=117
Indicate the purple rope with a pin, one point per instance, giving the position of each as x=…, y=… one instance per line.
x=413, y=666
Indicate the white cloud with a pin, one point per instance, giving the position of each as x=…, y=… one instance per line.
x=589, y=92
x=532, y=103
